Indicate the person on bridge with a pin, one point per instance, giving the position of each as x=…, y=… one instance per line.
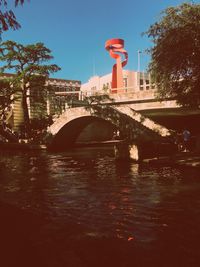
x=116, y=135
x=186, y=139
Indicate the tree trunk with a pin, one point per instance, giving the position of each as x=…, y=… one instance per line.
x=26, y=114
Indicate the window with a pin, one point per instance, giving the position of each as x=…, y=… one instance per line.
x=141, y=84
x=125, y=82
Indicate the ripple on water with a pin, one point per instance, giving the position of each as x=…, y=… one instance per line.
x=105, y=197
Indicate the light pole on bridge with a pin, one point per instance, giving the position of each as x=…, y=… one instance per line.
x=139, y=52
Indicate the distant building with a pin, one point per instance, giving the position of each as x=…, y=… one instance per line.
x=59, y=94
x=132, y=80
x=52, y=101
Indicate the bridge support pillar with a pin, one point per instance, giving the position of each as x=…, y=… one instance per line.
x=126, y=152
x=134, y=152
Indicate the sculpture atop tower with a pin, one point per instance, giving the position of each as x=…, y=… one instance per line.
x=116, y=46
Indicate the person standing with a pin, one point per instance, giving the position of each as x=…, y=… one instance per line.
x=186, y=139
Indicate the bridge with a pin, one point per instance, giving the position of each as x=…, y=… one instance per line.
x=132, y=112
x=67, y=128
x=164, y=111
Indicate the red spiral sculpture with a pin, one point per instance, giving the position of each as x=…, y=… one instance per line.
x=115, y=46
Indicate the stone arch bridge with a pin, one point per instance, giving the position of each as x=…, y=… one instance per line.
x=134, y=127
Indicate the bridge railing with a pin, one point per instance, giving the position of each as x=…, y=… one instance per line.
x=124, y=93
x=121, y=94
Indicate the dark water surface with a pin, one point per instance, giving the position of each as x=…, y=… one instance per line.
x=96, y=211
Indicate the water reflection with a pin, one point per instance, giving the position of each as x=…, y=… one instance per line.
x=107, y=198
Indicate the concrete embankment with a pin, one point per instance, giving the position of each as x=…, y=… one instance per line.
x=184, y=159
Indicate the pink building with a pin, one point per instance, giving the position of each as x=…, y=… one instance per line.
x=133, y=81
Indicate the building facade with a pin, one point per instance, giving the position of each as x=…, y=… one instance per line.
x=58, y=95
x=132, y=81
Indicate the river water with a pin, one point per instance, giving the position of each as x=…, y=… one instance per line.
x=124, y=213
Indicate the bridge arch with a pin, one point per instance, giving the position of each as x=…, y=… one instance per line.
x=66, y=129
x=71, y=131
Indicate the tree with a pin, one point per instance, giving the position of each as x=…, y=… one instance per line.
x=7, y=16
x=175, y=65
x=28, y=63
x=7, y=97
x=5, y=94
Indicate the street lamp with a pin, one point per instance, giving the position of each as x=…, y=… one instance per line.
x=139, y=52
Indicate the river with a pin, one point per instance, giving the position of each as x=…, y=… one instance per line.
x=98, y=211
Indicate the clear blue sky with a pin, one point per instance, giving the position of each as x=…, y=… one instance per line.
x=76, y=31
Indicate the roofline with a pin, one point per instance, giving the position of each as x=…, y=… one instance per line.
x=49, y=78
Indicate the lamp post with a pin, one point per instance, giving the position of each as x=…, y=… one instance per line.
x=139, y=52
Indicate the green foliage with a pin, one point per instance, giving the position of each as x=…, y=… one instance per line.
x=6, y=93
x=89, y=101
x=7, y=16
x=28, y=63
x=27, y=60
x=38, y=92
x=97, y=99
x=105, y=88
x=175, y=54
x=41, y=123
